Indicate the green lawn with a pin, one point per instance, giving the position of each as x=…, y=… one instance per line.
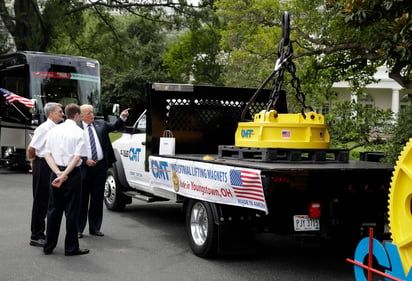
x=114, y=136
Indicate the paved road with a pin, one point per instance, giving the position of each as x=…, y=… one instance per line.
x=148, y=242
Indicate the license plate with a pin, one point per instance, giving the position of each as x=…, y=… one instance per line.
x=304, y=223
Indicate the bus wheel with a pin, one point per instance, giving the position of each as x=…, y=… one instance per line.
x=113, y=197
x=201, y=229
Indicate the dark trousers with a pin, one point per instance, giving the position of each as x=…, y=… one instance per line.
x=91, y=209
x=41, y=183
x=65, y=199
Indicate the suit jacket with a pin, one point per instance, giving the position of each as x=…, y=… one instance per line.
x=103, y=129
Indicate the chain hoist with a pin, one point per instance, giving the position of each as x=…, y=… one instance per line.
x=277, y=97
x=273, y=127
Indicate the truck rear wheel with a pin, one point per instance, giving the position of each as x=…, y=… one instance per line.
x=201, y=229
x=113, y=197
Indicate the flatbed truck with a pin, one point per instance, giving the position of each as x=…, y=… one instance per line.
x=230, y=193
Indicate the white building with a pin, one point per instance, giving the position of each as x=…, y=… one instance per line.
x=386, y=94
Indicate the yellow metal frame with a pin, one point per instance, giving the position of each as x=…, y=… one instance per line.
x=400, y=206
x=272, y=130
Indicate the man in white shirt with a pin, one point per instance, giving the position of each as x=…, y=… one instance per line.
x=65, y=146
x=41, y=172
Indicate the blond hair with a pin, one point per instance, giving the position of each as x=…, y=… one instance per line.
x=85, y=107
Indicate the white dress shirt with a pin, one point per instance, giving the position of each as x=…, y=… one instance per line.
x=96, y=140
x=38, y=141
x=65, y=141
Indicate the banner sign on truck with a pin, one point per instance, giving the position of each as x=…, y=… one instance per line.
x=209, y=182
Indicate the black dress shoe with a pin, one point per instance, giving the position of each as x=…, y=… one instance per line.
x=37, y=242
x=79, y=235
x=78, y=252
x=97, y=233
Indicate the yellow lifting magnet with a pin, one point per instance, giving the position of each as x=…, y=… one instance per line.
x=272, y=130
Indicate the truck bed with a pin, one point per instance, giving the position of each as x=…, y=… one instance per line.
x=287, y=166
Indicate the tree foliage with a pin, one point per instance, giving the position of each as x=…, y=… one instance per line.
x=34, y=25
x=353, y=122
x=195, y=56
x=228, y=42
x=129, y=57
x=333, y=41
x=388, y=29
x=347, y=38
x=127, y=37
x=400, y=133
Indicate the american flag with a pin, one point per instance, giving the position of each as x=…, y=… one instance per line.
x=12, y=97
x=247, y=184
x=286, y=134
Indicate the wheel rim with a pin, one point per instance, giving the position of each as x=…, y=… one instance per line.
x=199, y=224
x=400, y=206
x=110, y=189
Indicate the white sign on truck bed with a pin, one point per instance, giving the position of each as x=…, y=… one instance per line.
x=209, y=182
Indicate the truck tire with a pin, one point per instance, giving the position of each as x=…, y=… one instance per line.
x=201, y=228
x=114, y=199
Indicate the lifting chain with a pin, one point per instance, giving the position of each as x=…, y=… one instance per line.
x=284, y=62
x=300, y=96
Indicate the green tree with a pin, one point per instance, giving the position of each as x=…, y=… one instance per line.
x=129, y=58
x=357, y=125
x=127, y=37
x=251, y=36
x=34, y=25
x=4, y=48
x=335, y=40
x=345, y=39
x=400, y=133
x=250, y=40
x=387, y=27
x=195, y=56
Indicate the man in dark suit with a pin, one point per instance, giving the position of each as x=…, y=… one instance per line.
x=100, y=156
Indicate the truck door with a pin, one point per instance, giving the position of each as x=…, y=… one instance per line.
x=132, y=147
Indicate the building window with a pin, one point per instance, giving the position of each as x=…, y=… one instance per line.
x=366, y=100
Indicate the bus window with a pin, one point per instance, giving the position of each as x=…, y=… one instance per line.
x=59, y=90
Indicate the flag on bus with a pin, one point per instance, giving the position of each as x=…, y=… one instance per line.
x=12, y=97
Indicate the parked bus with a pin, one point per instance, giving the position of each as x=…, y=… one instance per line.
x=41, y=78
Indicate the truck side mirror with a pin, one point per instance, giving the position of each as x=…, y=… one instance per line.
x=116, y=109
